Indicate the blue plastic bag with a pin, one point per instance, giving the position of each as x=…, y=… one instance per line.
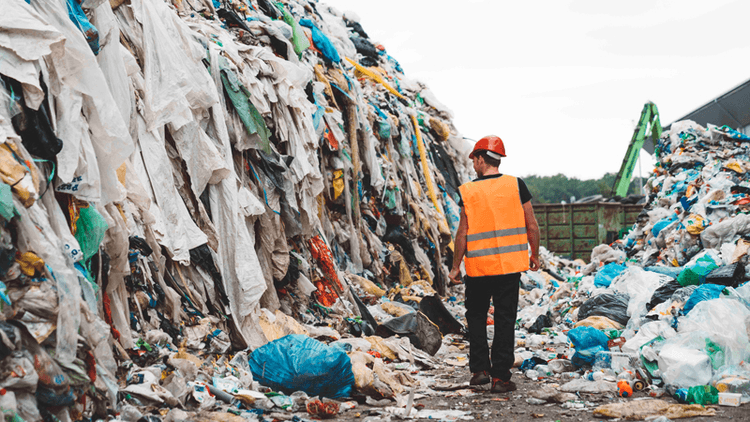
x=607, y=273
x=704, y=292
x=298, y=363
x=588, y=341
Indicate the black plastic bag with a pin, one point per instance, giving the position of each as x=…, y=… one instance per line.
x=33, y=126
x=663, y=293
x=542, y=322
x=610, y=305
x=435, y=310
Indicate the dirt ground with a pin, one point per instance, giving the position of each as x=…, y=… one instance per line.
x=484, y=405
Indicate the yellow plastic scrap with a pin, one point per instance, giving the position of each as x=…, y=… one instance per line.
x=367, y=285
x=440, y=128
x=642, y=409
x=735, y=165
x=338, y=183
x=12, y=172
x=280, y=326
x=377, y=344
x=30, y=263
x=425, y=168
x=695, y=224
x=376, y=77
x=394, y=310
x=600, y=323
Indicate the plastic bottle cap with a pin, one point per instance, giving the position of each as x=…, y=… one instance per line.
x=3, y=391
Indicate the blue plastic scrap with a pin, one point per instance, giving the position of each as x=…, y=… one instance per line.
x=299, y=363
x=702, y=293
x=588, y=341
x=76, y=14
x=607, y=273
x=322, y=42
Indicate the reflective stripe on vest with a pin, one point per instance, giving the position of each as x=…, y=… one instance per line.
x=496, y=241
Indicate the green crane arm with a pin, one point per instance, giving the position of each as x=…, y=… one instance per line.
x=649, y=122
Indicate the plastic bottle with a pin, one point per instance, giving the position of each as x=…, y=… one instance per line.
x=532, y=374
x=624, y=389
x=593, y=376
x=544, y=370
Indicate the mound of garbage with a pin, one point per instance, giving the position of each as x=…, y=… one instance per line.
x=185, y=182
x=665, y=311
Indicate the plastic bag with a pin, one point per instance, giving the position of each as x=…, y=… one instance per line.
x=721, y=321
x=607, y=273
x=610, y=305
x=299, y=363
x=587, y=342
x=639, y=285
x=663, y=293
x=704, y=292
x=703, y=394
x=696, y=272
x=90, y=228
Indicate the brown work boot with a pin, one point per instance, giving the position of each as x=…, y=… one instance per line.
x=499, y=386
x=480, y=378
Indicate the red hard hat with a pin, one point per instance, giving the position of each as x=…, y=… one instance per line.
x=489, y=143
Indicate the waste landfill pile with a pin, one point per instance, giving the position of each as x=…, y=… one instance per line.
x=198, y=196
x=243, y=210
x=663, y=312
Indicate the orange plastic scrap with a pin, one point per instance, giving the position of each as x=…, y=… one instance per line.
x=322, y=254
x=332, y=141
x=322, y=409
x=642, y=409
x=325, y=295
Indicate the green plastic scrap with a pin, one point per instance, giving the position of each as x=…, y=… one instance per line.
x=143, y=344
x=299, y=40
x=240, y=97
x=716, y=353
x=7, y=210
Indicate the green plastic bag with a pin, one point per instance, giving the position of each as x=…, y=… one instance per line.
x=299, y=40
x=90, y=229
x=703, y=394
x=696, y=273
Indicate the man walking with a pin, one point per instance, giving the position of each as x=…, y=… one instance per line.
x=496, y=228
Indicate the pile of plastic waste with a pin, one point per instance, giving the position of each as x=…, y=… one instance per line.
x=184, y=182
x=666, y=310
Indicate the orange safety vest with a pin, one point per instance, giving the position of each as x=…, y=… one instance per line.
x=496, y=241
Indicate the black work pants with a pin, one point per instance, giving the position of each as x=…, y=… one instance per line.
x=503, y=290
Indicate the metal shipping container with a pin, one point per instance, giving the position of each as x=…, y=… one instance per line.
x=582, y=226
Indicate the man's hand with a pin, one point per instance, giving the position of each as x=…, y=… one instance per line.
x=455, y=276
x=534, y=263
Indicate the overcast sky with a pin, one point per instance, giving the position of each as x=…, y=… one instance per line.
x=563, y=82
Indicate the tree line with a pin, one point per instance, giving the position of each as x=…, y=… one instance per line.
x=557, y=188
